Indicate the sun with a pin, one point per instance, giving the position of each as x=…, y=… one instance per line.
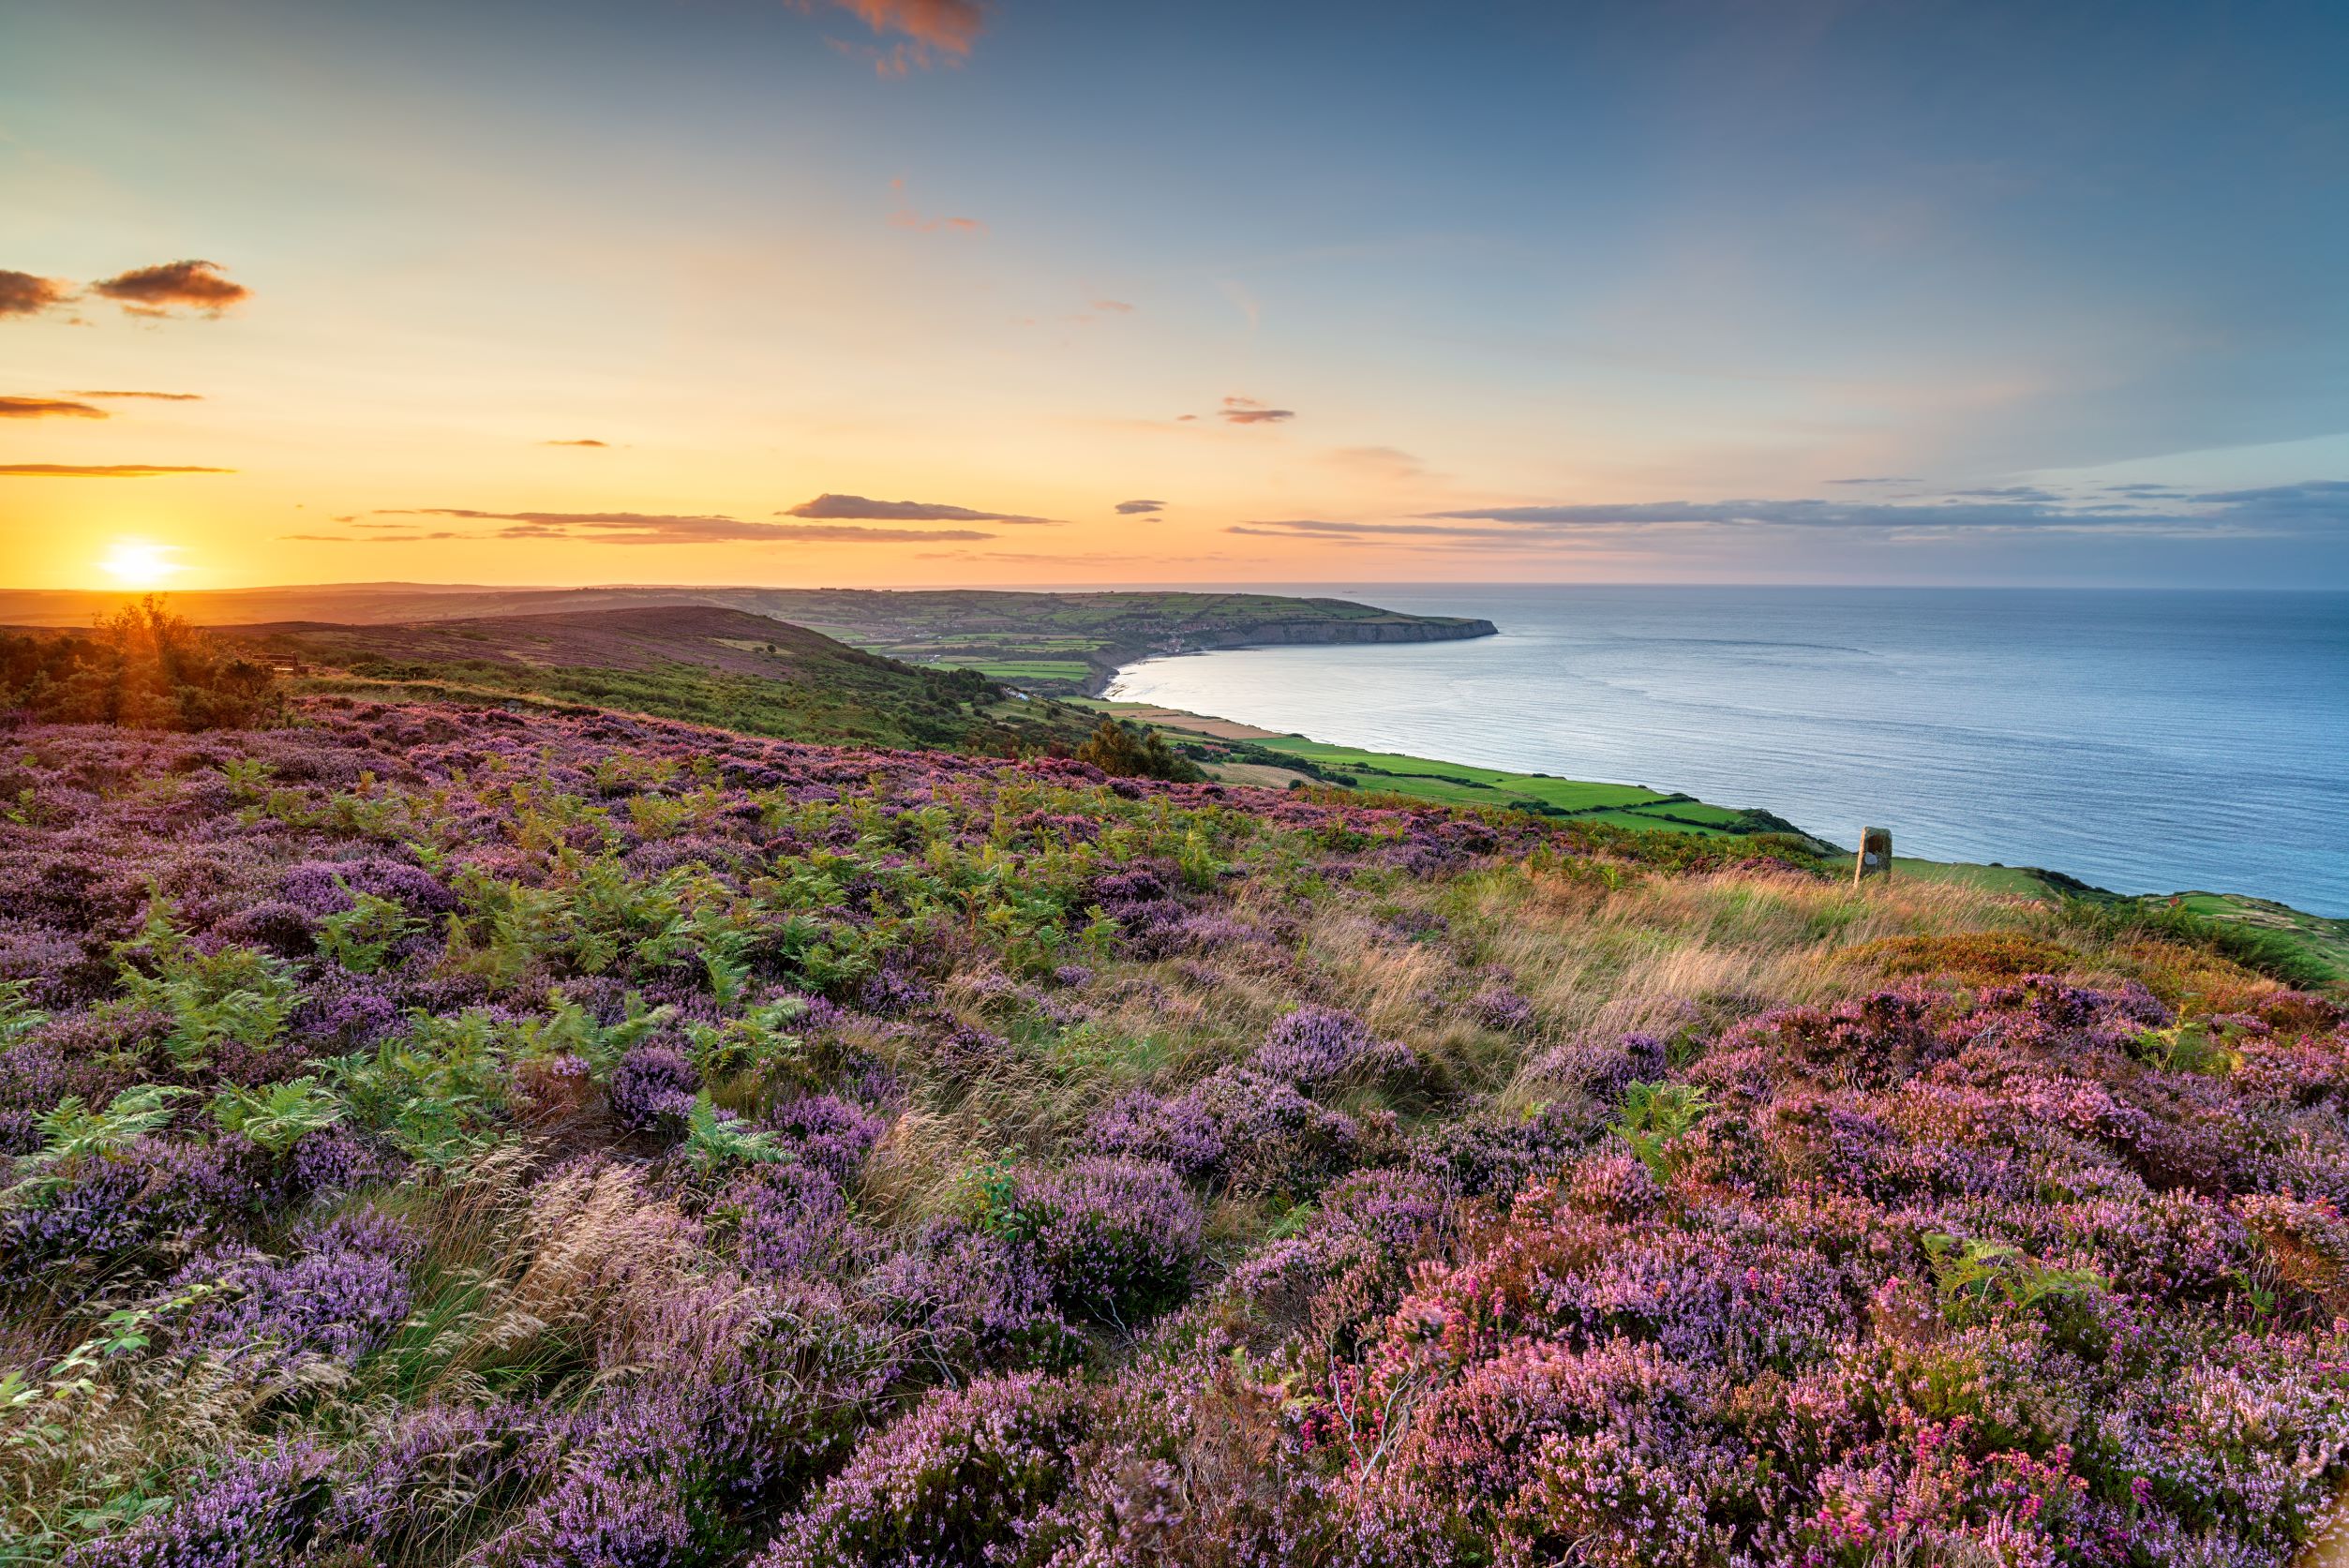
x=136, y=563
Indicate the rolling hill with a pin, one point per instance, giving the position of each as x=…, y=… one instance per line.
x=699, y=662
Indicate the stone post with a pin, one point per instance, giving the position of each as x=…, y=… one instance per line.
x=1875, y=855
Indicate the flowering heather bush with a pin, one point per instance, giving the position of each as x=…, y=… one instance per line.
x=964, y=1479
x=971, y=1300
x=654, y=1084
x=1118, y=1238
x=1497, y=1006
x=788, y=1215
x=342, y=1293
x=1316, y=1047
x=829, y=1133
x=970, y=1069
x=247, y=1513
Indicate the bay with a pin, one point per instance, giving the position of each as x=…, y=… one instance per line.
x=2147, y=741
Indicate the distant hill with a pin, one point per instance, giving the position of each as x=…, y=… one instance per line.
x=1039, y=642
x=694, y=662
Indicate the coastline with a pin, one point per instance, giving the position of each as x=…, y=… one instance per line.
x=1268, y=758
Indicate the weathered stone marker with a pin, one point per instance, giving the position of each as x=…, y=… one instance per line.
x=1875, y=855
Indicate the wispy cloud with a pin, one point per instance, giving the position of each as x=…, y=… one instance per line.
x=927, y=28
x=1247, y=410
x=2316, y=507
x=47, y=407
x=170, y=286
x=905, y=217
x=1140, y=508
x=1390, y=464
x=1116, y=307
x=590, y=442
x=154, y=397
x=402, y=538
x=1877, y=479
x=830, y=505
x=99, y=471
x=25, y=293
x=655, y=527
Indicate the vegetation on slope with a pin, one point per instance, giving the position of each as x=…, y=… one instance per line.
x=444, y=1135
x=695, y=663
x=1044, y=642
x=141, y=666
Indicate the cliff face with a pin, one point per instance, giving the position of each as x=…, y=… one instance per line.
x=1274, y=634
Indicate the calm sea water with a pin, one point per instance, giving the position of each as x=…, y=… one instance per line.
x=2147, y=741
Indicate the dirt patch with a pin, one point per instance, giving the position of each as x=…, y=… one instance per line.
x=1196, y=723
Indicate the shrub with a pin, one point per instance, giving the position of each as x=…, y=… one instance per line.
x=1118, y=1238
x=964, y=1479
x=653, y=1084
x=257, y=1512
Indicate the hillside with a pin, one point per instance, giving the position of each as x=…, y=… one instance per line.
x=698, y=663
x=441, y=1134
x=1046, y=642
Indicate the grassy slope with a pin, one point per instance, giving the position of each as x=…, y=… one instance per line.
x=1047, y=641
x=706, y=665
x=1254, y=756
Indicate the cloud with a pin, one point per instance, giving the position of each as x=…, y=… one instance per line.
x=1247, y=410
x=650, y=528
x=1390, y=464
x=47, y=407
x=168, y=286
x=1118, y=306
x=97, y=471
x=2009, y=492
x=948, y=27
x=370, y=538
x=830, y=505
x=906, y=217
x=1877, y=479
x=1139, y=508
x=23, y=293
x=2310, y=509
x=2313, y=505
x=157, y=397
x=590, y=442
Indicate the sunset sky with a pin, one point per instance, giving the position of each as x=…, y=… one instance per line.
x=1061, y=292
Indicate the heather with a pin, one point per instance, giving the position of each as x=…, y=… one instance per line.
x=438, y=1134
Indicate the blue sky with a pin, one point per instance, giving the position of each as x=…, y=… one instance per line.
x=1572, y=292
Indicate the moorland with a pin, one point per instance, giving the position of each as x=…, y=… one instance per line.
x=1057, y=643
x=454, y=1128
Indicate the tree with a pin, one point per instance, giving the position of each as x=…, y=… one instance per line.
x=1126, y=752
x=143, y=667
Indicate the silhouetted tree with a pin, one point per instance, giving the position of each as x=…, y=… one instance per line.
x=142, y=667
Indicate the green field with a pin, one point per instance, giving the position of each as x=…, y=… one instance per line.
x=1020, y=671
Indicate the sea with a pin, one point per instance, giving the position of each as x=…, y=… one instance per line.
x=2145, y=741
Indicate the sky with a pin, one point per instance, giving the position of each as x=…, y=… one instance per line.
x=1057, y=291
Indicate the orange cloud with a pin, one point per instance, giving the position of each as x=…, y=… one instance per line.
x=654, y=528
x=47, y=407
x=949, y=28
x=157, y=397
x=1247, y=410
x=830, y=505
x=97, y=471
x=590, y=442
x=22, y=294
x=906, y=217
x=168, y=286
